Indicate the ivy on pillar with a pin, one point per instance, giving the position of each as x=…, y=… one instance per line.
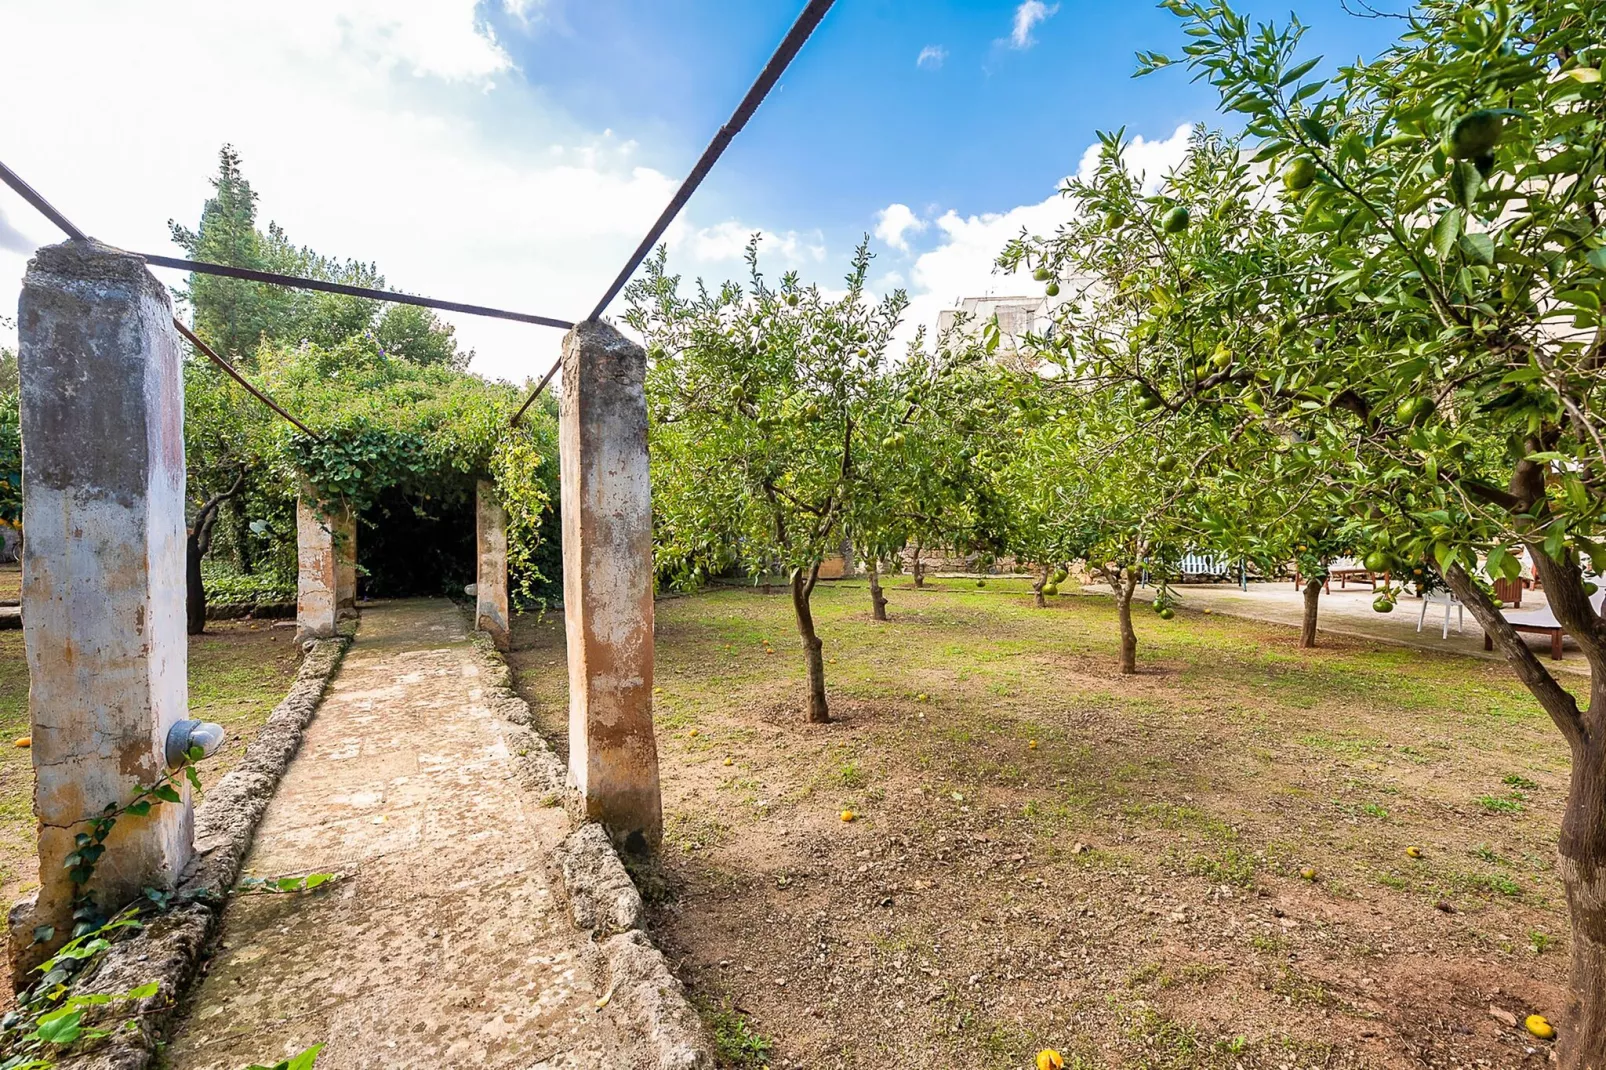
x=490, y=581
x=103, y=575
x=607, y=583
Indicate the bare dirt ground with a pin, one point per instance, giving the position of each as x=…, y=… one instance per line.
x=442, y=943
x=1044, y=853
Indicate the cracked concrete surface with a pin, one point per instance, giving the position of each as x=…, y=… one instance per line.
x=444, y=944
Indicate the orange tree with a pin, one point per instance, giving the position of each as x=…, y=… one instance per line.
x=1451, y=193
x=763, y=400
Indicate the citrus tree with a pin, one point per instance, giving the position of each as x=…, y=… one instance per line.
x=763, y=400
x=1170, y=287
x=1442, y=367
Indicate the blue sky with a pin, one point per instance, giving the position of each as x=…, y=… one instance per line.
x=512, y=152
x=858, y=123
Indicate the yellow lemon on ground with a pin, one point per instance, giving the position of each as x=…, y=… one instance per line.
x=922, y=697
x=848, y=815
x=1032, y=744
x=1309, y=873
x=692, y=734
x=1413, y=852
x=1049, y=1059
x=730, y=761
x=25, y=741
x=1539, y=1026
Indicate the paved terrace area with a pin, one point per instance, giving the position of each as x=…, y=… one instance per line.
x=1348, y=611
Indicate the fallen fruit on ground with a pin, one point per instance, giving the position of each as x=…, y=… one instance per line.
x=848, y=815
x=730, y=761
x=1539, y=1026
x=25, y=741
x=692, y=734
x=1032, y=744
x=1049, y=1059
x=1413, y=852
x=1309, y=873
x=922, y=697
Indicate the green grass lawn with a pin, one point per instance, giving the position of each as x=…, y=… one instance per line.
x=1046, y=853
x=238, y=672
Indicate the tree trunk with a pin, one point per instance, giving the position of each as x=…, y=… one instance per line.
x=1037, y=589
x=877, y=599
x=814, y=705
x=1582, y=865
x=918, y=568
x=1581, y=852
x=1125, y=582
x=194, y=583
x=1307, y=629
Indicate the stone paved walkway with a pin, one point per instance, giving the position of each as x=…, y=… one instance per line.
x=443, y=945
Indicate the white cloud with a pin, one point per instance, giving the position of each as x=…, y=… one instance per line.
x=931, y=57
x=895, y=223
x=961, y=265
x=1027, y=16
x=1149, y=159
x=726, y=242
x=397, y=131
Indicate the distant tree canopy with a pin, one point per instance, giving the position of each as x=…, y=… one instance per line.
x=406, y=429
x=237, y=316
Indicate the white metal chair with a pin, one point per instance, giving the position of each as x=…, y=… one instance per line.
x=1449, y=601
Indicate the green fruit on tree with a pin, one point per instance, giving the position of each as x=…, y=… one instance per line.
x=1412, y=409
x=1052, y=289
x=1051, y=588
x=1167, y=613
x=1376, y=561
x=1175, y=221
x=1476, y=134
x=1299, y=174
x=1221, y=359
x=1060, y=575
x=981, y=583
x=1383, y=604
x=1042, y=274
x=1113, y=220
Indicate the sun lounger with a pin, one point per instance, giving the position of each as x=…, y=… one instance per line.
x=1542, y=622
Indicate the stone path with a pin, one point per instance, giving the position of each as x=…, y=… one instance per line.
x=444, y=944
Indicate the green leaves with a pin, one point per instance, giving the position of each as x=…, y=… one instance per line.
x=303, y=1061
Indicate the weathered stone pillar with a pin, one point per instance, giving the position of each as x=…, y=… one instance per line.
x=607, y=583
x=490, y=581
x=343, y=525
x=103, y=574
x=317, y=572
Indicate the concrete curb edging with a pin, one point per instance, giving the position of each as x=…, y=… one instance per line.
x=170, y=949
x=641, y=995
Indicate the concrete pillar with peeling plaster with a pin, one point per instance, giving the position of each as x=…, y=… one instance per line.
x=103, y=574
x=317, y=569
x=607, y=583
x=490, y=582
x=344, y=528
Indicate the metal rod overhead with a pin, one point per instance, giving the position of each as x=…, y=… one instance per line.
x=252, y=275
x=789, y=46
x=29, y=194
x=45, y=208
x=234, y=374
x=782, y=58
